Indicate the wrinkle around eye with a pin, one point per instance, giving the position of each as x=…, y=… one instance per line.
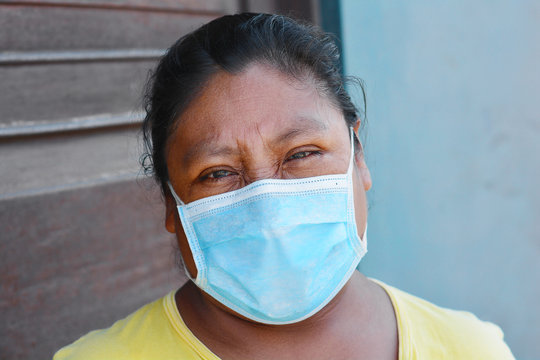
x=316, y=162
x=220, y=175
x=303, y=154
x=298, y=157
x=205, y=185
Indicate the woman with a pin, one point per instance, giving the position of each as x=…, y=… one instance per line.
x=253, y=140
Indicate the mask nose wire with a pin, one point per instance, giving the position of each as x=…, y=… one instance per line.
x=176, y=197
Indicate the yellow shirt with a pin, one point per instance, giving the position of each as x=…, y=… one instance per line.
x=426, y=331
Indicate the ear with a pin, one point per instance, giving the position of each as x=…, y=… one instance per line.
x=365, y=175
x=170, y=213
x=356, y=127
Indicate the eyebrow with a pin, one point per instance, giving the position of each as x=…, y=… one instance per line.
x=208, y=148
x=303, y=125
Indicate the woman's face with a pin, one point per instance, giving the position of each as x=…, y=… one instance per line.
x=256, y=125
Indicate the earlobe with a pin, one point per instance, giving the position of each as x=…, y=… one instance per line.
x=363, y=170
x=356, y=127
x=366, y=177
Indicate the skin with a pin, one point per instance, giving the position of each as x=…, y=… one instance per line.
x=256, y=125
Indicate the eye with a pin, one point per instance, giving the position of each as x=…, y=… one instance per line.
x=211, y=175
x=218, y=174
x=302, y=155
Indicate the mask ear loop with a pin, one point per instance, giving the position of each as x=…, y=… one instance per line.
x=363, y=240
x=176, y=197
x=351, y=160
x=179, y=202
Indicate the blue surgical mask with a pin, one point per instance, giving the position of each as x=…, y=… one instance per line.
x=276, y=251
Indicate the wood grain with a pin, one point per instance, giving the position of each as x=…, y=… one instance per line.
x=49, y=92
x=78, y=260
x=24, y=28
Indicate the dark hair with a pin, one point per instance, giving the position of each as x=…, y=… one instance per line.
x=231, y=43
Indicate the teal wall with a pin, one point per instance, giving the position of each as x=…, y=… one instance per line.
x=453, y=144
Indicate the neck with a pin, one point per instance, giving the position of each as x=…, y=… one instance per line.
x=214, y=324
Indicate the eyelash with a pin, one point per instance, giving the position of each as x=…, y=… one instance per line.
x=305, y=154
x=210, y=178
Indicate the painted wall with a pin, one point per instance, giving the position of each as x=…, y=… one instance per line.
x=453, y=143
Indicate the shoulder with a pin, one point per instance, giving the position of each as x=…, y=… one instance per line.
x=128, y=338
x=436, y=332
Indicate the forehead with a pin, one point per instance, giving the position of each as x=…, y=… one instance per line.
x=260, y=101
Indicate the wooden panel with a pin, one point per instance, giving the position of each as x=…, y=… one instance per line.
x=78, y=260
x=265, y=6
x=141, y=5
x=99, y=121
x=54, y=57
x=24, y=28
x=40, y=164
x=302, y=9
x=55, y=91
